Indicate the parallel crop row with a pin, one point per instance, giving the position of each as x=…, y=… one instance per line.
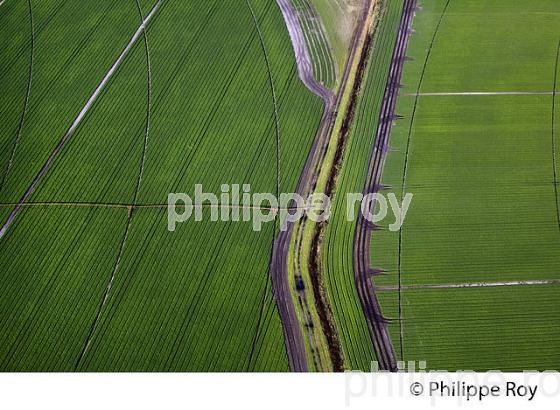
x=338, y=265
x=199, y=298
x=324, y=66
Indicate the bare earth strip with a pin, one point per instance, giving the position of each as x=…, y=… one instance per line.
x=377, y=324
x=279, y=264
x=481, y=93
x=77, y=121
x=470, y=285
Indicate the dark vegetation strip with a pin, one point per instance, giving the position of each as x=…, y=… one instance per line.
x=323, y=308
x=403, y=186
x=322, y=304
x=124, y=238
x=554, y=142
x=17, y=137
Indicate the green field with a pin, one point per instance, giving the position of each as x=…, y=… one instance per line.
x=92, y=287
x=482, y=171
x=208, y=93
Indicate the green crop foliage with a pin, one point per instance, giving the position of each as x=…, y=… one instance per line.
x=199, y=299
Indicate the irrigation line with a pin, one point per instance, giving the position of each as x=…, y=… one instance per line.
x=77, y=121
x=409, y=137
x=26, y=102
x=554, y=144
x=136, y=191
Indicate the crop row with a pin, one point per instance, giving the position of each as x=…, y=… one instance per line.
x=339, y=239
x=324, y=67
x=196, y=299
x=482, y=174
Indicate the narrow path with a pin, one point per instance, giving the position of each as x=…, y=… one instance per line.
x=77, y=121
x=377, y=324
x=295, y=347
x=124, y=238
x=475, y=93
x=470, y=285
x=405, y=172
x=26, y=101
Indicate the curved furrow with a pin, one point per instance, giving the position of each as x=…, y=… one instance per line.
x=407, y=152
x=554, y=137
x=136, y=191
x=26, y=101
x=273, y=91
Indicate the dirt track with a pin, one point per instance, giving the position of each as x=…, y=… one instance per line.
x=377, y=324
x=307, y=182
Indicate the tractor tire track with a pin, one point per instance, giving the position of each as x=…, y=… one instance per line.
x=26, y=101
x=136, y=191
x=554, y=142
x=405, y=172
x=377, y=324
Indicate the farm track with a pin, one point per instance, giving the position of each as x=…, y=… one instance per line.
x=307, y=182
x=279, y=263
x=89, y=103
x=554, y=137
x=130, y=215
x=405, y=171
x=26, y=101
x=478, y=93
x=377, y=324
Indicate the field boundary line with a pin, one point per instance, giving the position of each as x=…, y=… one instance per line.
x=26, y=101
x=554, y=144
x=77, y=121
x=405, y=171
x=477, y=93
x=471, y=285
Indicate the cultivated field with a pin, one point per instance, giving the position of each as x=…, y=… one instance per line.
x=93, y=281
x=477, y=146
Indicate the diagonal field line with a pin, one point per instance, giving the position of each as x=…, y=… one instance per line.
x=471, y=285
x=77, y=121
x=480, y=93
